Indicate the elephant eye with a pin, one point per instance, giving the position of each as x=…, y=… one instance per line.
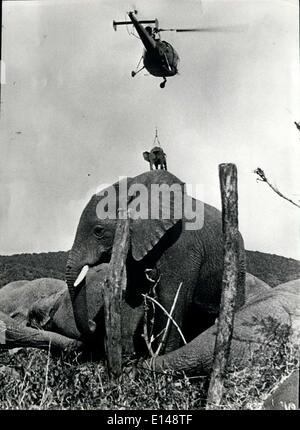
x=98, y=231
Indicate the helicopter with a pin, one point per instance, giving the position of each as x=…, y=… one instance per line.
x=159, y=57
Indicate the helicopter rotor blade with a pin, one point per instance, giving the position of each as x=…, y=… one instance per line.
x=225, y=29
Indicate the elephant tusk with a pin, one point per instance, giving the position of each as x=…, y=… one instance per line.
x=81, y=275
x=92, y=326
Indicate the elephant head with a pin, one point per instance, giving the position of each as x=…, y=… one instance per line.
x=146, y=155
x=95, y=233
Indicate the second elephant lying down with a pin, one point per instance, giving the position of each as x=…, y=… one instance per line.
x=33, y=313
x=268, y=307
x=257, y=325
x=27, y=306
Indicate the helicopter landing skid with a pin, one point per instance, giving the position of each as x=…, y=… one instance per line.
x=133, y=73
x=163, y=83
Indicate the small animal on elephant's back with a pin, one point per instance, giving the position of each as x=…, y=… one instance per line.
x=156, y=157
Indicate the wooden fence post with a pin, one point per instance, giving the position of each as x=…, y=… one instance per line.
x=112, y=294
x=229, y=195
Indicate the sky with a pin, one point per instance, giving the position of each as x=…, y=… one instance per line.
x=73, y=118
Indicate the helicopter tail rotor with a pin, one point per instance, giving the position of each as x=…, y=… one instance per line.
x=134, y=12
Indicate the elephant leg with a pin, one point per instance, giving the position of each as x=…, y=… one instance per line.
x=180, y=280
x=13, y=335
x=255, y=328
x=173, y=339
x=166, y=294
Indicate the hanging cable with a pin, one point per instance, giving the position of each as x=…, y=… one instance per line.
x=156, y=139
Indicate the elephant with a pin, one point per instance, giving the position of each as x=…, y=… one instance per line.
x=16, y=298
x=14, y=284
x=274, y=307
x=61, y=318
x=14, y=334
x=156, y=157
x=47, y=309
x=163, y=252
x=280, y=305
x=45, y=303
x=254, y=286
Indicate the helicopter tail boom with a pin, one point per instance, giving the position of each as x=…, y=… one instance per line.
x=146, y=38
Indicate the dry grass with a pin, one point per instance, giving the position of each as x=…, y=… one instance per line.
x=268, y=367
x=33, y=379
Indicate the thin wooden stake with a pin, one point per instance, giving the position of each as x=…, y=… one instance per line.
x=229, y=195
x=112, y=294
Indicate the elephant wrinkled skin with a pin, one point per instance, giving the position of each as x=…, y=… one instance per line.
x=273, y=308
x=28, y=305
x=16, y=298
x=165, y=246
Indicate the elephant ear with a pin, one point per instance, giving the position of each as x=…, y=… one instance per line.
x=153, y=213
x=146, y=155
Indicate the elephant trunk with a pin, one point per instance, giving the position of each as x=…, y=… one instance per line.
x=75, y=278
x=70, y=279
x=146, y=156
